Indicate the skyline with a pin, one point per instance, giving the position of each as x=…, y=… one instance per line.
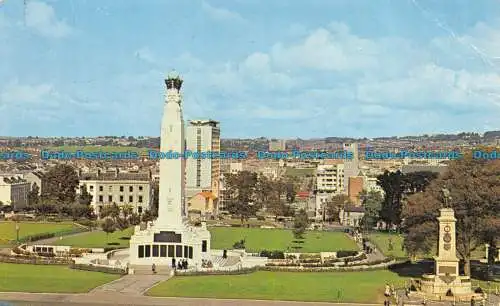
x=280, y=70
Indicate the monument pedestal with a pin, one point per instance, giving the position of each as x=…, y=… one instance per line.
x=161, y=245
x=446, y=284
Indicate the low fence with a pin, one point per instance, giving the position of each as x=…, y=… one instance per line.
x=34, y=260
x=98, y=268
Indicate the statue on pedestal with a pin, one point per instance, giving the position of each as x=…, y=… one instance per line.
x=446, y=197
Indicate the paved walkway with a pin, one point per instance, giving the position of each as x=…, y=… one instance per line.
x=44, y=299
x=130, y=284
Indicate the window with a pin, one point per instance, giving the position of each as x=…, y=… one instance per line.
x=147, y=252
x=121, y=188
x=203, y=245
x=100, y=198
x=130, y=199
x=91, y=188
x=178, y=251
x=121, y=198
x=130, y=189
x=190, y=252
x=110, y=198
x=163, y=251
x=139, y=209
x=140, y=199
x=155, y=250
x=101, y=188
x=171, y=251
x=141, y=251
x=186, y=251
x=110, y=188
x=140, y=188
x=100, y=209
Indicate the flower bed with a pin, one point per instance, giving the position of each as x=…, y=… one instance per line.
x=34, y=260
x=109, y=270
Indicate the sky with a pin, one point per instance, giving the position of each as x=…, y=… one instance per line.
x=272, y=68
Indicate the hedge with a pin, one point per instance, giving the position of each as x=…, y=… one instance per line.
x=342, y=254
x=234, y=272
x=108, y=270
x=34, y=260
x=272, y=254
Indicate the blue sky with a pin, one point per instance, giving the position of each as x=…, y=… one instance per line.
x=273, y=68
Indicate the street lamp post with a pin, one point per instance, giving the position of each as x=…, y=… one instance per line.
x=17, y=232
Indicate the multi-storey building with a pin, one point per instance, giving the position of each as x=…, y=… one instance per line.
x=351, y=166
x=202, y=174
x=277, y=145
x=106, y=188
x=329, y=182
x=14, y=192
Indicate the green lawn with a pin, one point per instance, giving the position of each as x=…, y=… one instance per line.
x=8, y=229
x=381, y=239
x=53, y=279
x=96, y=149
x=224, y=237
x=278, y=239
x=360, y=287
x=299, y=171
x=98, y=239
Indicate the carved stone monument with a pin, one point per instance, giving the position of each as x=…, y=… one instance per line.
x=446, y=283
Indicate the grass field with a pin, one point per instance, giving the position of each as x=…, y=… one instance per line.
x=8, y=229
x=299, y=171
x=291, y=286
x=381, y=239
x=96, y=149
x=98, y=239
x=257, y=239
x=49, y=279
x=223, y=238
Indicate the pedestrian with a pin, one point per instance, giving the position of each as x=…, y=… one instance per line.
x=153, y=268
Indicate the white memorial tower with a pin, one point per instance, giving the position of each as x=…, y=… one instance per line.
x=169, y=238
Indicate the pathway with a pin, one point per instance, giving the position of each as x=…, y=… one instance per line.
x=130, y=284
x=44, y=299
x=52, y=240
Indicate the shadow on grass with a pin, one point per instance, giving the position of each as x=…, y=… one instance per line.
x=415, y=269
x=113, y=243
x=124, y=238
x=298, y=241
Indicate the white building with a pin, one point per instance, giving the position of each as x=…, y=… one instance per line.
x=14, y=192
x=202, y=174
x=329, y=182
x=370, y=184
x=235, y=167
x=277, y=145
x=351, y=166
x=124, y=189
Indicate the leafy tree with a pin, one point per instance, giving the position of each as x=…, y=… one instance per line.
x=62, y=181
x=147, y=216
x=134, y=219
x=372, y=203
x=291, y=191
x=335, y=204
x=85, y=198
x=300, y=224
x=33, y=197
x=108, y=226
x=475, y=197
x=155, y=199
x=112, y=211
x=241, y=188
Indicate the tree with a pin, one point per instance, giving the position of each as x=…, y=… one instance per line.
x=147, y=216
x=300, y=224
x=85, y=198
x=112, y=211
x=33, y=198
x=335, y=204
x=108, y=226
x=155, y=199
x=134, y=219
x=372, y=203
x=241, y=189
x=475, y=197
x=62, y=181
x=291, y=191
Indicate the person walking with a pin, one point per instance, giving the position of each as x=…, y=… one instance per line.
x=153, y=268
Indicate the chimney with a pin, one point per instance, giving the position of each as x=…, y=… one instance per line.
x=79, y=172
x=98, y=172
x=150, y=174
x=117, y=170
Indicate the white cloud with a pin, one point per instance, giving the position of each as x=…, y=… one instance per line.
x=220, y=13
x=42, y=18
x=335, y=50
x=15, y=93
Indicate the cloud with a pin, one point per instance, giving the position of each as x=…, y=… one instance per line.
x=221, y=14
x=15, y=93
x=146, y=55
x=42, y=18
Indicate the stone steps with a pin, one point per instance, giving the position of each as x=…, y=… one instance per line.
x=146, y=270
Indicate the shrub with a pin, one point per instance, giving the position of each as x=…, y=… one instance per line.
x=261, y=218
x=309, y=256
x=239, y=244
x=108, y=270
x=291, y=257
x=272, y=254
x=341, y=254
